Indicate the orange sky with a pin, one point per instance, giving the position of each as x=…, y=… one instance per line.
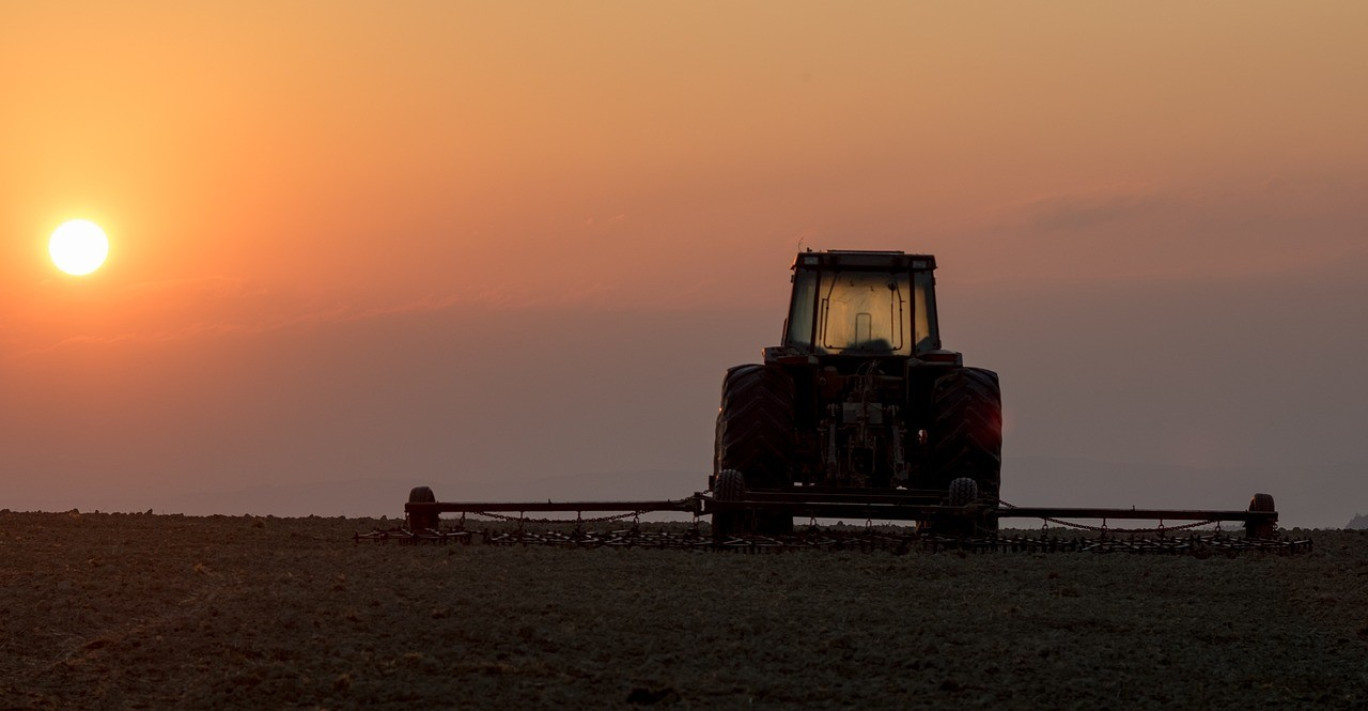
x=278, y=178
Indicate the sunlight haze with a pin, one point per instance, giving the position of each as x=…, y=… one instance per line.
x=511, y=248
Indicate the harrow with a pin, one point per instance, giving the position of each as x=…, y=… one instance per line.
x=939, y=527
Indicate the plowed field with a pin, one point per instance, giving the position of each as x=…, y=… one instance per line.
x=149, y=611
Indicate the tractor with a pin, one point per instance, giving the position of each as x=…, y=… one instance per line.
x=858, y=414
x=859, y=397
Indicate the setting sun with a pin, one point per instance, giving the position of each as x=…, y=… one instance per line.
x=78, y=247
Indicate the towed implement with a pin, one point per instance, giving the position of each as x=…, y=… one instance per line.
x=859, y=414
x=940, y=525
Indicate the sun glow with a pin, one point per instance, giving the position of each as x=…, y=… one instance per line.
x=78, y=247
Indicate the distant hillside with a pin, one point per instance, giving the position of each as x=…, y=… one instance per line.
x=1309, y=497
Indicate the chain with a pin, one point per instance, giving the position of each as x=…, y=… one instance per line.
x=636, y=518
x=634, y=515
x=1104, y=529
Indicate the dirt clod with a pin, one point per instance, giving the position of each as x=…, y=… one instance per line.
x=649, y=697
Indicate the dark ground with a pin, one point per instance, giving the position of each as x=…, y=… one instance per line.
x=143, y=611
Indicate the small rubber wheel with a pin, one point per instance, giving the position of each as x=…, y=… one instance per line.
x=1261, y=503
x=963, y=491
x=729, y=485
x=425, y=520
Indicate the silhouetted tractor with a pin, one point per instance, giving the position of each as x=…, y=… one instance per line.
x=860, y=398
x=858, y=415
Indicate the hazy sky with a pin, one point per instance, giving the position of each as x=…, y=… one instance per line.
x=446, y=243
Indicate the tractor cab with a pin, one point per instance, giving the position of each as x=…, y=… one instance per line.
x=861, y=303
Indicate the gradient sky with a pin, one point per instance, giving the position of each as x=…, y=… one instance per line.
x=458, y=243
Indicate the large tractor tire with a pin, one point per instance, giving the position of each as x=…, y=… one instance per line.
x=966, y=433
x=755, y=435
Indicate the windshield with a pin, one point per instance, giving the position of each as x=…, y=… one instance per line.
x=862, y=312
x=868, y=313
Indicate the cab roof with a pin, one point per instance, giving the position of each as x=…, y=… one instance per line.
x=887, y=260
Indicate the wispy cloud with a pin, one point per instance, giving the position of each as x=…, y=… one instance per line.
x=1261, y=225
x=1089, y=210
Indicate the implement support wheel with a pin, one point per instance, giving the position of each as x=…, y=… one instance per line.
x=422, y=521
x=1262, y=528
x=730, y=485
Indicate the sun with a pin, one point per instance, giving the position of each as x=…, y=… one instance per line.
x=78, y=247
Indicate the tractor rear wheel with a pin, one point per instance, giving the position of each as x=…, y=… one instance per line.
x=755, y=435
x=966, y=434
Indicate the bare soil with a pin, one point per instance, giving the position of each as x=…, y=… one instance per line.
x=144, y=611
